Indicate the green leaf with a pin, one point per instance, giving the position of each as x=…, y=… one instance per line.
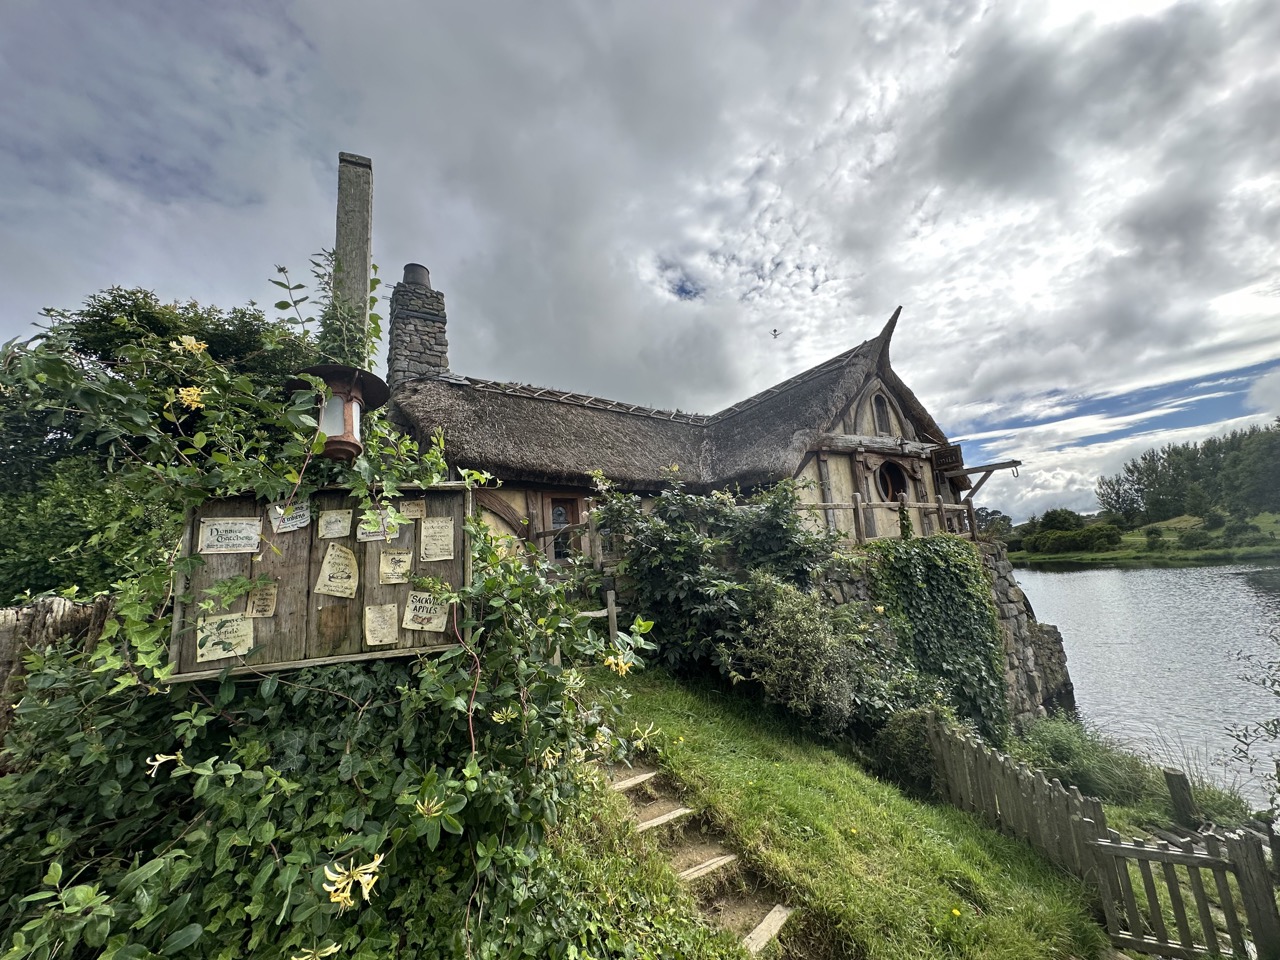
x=54, y=876
x=181, y=939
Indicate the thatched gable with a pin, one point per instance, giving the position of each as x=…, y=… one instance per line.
x=526, y=433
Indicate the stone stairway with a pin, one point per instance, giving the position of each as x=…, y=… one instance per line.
x=730, y=894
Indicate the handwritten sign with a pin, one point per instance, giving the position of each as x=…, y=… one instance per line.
x=339, y=575
x=365, y=533
x=425, y=611
x=414, y=509
x=380, y=625
x=225, y=635
x=293, y=516
x=437, y=538
x=335, y=524
x=229, y=535
x=262, y=601
x=393, y=566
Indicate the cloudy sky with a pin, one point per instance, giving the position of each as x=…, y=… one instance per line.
x=1076, y=203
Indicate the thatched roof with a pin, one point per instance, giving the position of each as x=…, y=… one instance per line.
x=534, y=434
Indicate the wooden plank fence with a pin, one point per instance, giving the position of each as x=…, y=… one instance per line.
x=1192, y=898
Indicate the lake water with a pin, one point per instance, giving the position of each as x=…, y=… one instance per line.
x=1153, y=655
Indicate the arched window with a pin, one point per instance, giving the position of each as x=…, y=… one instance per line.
x=891, y=480
x=880, y=406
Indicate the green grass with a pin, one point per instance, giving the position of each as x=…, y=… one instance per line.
x=878, y=874
x=1131, y=785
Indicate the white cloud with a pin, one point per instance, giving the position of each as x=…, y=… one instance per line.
x=1068, y=202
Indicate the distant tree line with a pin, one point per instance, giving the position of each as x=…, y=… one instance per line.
x=1217, y=479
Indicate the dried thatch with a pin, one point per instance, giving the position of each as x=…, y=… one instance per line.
x=524, y=433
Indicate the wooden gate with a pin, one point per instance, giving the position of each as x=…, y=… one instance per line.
x=1224, y=878
x=1209, y=896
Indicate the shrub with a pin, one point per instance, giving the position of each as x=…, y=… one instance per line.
x=1082, y=757
x=839, y=668
x=900, y=750
x=1099, y=537
x=1194, y=539
x=1214, y=520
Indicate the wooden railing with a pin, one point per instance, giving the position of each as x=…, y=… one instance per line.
x=1144, y=886
x=873, y=520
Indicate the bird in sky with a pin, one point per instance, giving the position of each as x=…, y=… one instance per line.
x=775, y=333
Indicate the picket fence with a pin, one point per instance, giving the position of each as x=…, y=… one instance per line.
x=1144, y=886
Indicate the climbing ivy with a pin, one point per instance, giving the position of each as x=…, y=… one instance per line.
x=937, y=592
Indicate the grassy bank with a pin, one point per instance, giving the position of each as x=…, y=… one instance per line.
x=880, y=876
x=1134, y=550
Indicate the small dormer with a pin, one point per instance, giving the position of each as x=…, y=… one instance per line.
x=876, y=413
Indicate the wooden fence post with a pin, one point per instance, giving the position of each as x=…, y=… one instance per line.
x=1256, y=893
x=859, y=523
x=611, y=604
x=1184, y=805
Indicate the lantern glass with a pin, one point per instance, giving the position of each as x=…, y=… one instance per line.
x=332, y=421
x=355, y=420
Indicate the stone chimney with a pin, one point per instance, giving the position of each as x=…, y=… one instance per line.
x=416, y=342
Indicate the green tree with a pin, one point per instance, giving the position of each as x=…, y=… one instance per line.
x=1061, y=518
x=993, y=522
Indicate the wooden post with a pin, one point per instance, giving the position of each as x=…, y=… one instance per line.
x=942, y=514
x=973, y=519
x=859, y=527
x=902, y=508
x=1258, y=898
x=593, y=535
x=611, y=604
x=824, y=485
x=1184, y=805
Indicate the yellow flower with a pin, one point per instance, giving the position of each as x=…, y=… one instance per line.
x=188, y=343
x=317, y=953
x=191, y=397
x=853, y=830
x=955, y=912
x=879, y=609
x=618, y=665
x=505, y=715
x=342, y=878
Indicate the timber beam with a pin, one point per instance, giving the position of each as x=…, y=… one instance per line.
x=855, y=443
x=987, y=469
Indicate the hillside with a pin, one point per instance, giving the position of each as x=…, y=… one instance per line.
x=875, y=873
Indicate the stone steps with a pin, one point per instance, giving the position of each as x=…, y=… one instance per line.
x=736, y=901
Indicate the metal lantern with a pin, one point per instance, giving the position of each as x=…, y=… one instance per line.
x=354, y=391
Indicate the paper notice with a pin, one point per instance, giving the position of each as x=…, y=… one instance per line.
x=229, y=535
x=437, y=538
x=380, y=625
x=425, y=611
x=262, y=601
x=414, y=509
x=334, y=524
x=339, y=575
x=365, y=533
x=225, y=635
x=393, y=566
x=284, y=518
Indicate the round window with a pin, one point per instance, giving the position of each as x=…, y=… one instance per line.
x=891, y=480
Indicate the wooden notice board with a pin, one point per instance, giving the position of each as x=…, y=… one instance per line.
x=332, y=593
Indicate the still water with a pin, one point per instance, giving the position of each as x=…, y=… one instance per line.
x=1153, y=655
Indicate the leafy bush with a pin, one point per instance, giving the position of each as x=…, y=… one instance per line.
x=900, y=750
x=842, y=669
x=1098, y=537
x=690, y=558
x=385, y=808
x=1194, y=539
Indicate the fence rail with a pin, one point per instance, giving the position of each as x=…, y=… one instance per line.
x=935, y=517
x=1144, y=885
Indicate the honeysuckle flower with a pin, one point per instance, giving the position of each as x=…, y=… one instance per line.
x=505, y=715
x=188, y=343
x=191, y=397
x=879, y=609
x=618, y=665
x=342, y=878
x=154, y=763
x=317, y=953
